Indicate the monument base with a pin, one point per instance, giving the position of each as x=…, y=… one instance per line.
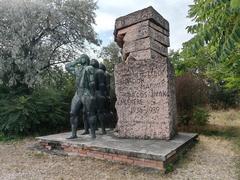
x=156, y=154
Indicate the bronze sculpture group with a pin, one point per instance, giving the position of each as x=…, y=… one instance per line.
x=91, y=96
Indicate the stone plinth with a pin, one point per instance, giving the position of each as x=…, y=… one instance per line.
x=156, y=154
x=144, y=82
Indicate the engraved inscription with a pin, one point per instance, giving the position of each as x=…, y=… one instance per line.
x=142, y=95
x=144, y=82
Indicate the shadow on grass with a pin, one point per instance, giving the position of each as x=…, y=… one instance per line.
x=226, y=132
x=214, y=130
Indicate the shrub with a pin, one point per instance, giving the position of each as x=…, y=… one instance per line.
x=16, y=115
x=222, y=98
x=44, y=110
x=200, y=116
x=191, y=93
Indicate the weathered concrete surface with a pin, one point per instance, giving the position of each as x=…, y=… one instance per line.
x=139, y=16
x=146, y=54
x=144, y=44
x=155, y=150
x=143, y=30
x=159, y=28
x=144, y=81
x=145, y=99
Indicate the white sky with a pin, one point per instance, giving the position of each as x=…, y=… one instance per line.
x=175, y=11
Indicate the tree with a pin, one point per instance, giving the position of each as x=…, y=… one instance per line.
x=214, y=50
x=178, y=63
x=111, y=55
x=38, y=34
x=217, y=23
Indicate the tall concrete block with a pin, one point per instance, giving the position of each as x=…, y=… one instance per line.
x=144, y=81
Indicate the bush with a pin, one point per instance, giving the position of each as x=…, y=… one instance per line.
x=222, y=98
x=191, y=93
x=43, y=111
x=200, y=116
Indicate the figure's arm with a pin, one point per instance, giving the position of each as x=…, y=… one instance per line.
x=70, y=67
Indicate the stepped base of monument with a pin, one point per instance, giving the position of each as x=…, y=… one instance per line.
x=156, y=154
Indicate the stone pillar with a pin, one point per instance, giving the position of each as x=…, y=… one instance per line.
x=144, y=81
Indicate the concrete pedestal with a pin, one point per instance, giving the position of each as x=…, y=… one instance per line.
x=156, y=154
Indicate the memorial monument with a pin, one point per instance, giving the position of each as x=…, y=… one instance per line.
x=145, y=83
x=146, y=104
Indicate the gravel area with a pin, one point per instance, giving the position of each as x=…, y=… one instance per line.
x=211, y=158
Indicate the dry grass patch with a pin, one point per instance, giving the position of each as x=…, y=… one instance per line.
x=225, y=118
x=223, y=125
x=214, y=157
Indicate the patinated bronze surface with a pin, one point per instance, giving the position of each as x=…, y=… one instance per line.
x=92, y=94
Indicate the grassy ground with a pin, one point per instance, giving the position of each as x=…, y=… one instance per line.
x=223, y=124
x=226, y=124
x=9, y=139
x=216, y=156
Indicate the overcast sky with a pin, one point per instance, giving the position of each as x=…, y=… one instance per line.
x=175, y=11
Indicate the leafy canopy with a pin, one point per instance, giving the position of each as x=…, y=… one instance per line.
x=111, y=55
x=214, y=50
x=217, y=23
x=37, y=34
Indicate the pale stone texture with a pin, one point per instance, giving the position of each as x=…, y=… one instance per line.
x=139, y=16
x=143, y=30
x=143, y=44
x=161, y=151
x=144, y=82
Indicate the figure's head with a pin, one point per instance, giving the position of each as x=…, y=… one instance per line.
x=84, y=59
x=94, y=63
x=102, y=66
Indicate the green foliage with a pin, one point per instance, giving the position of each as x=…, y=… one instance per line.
x=43, y=110
x=222, y=98
x=222, y=78
x=4, y=138
x=235, y=4
x=191, y=93
x=214, y=51
x=111, y=56
x=216, y=24
x=35, y=35
x=169, y=168
x=217, y=35
x=200, y=116
x=197, y=63
x=15, y=115
x=179, y=64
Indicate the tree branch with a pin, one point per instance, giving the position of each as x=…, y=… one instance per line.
x=54, y=63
